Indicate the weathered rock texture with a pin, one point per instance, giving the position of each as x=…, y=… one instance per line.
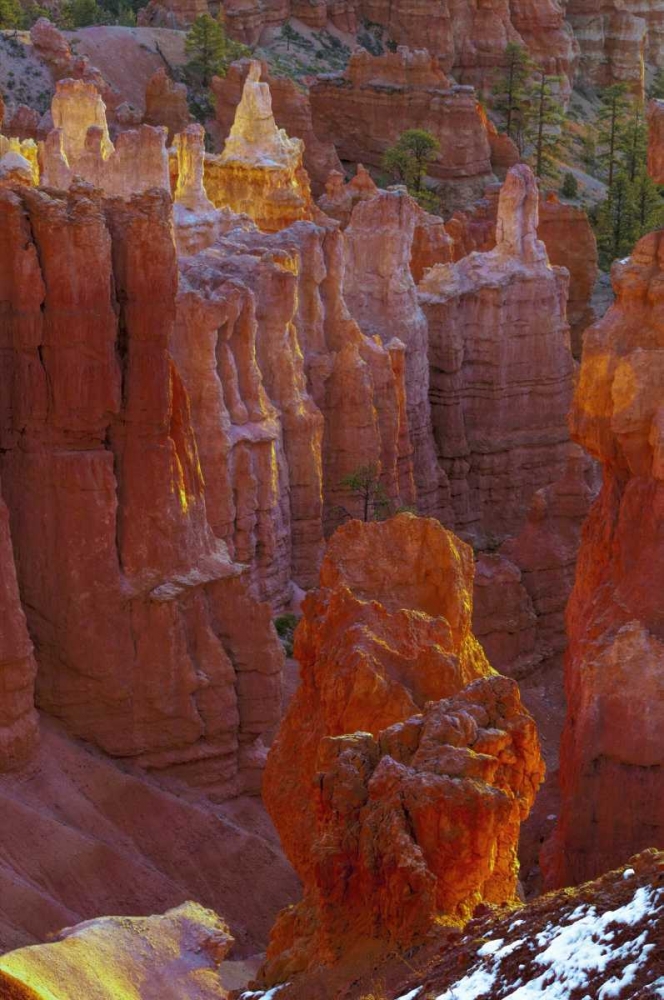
x=166, y=103
x=292, y=112
x=501, y=370
x=80, y=146
x=612, y=760
x=177, y=955
x=260, y=171
x=304, y=397
x=570, y=242
x=367, y=792
x=365, y=110
x=84, y=834
x=615, y=41
x=382, y=297
x=18, y=719
x=148, y=642
x=567, y=235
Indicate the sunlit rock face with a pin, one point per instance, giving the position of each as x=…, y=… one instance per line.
x=177, y=955
x=292, y=112
x=147, y=640
x=260, y=171
x=18, y=163
x=501, y=369
x=18, y=719
x=289, y=396
x=382, y=297
x=612, y=760
x=80, y=146
x=368, y=791
x=365, y=110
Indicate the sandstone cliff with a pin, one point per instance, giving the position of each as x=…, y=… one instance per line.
x=499, y=412
x=612, y=765
x=365, y=110
x=138, y=633
x=178, y=954
x=18, y=720
x=567, y=235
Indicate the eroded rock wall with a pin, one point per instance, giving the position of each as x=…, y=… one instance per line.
x=501, y=370
x=612, y=768
x=147, y=640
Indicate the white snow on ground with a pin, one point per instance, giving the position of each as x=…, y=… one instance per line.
x=411, y=995
x=259, y=995
x=573, y=956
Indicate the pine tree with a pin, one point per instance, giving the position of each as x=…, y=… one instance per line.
x=633, y=140
x=210, y=50
x=570, y=186
x=409, y=158
x=648, y=203
x=545, y=118
x=617, y=227
x=657, y=85
x=611, y=121
x=510, y=95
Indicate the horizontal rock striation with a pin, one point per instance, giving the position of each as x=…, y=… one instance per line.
x=501, y=370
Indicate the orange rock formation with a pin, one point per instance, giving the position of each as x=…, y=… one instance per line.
x=260, y=171
x=656, y=141
x=166, y=103
x=612, y=762
x=496, y=407
x=138, y=647
x=385, y=637
x=382, y=297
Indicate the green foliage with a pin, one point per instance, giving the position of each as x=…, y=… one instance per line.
x=657, y=85
x=289, y=34
x=632, y=208
x=285, y=626
x=409, y=158
x=364, y=484
x=611, y=121
x=210, y=50
x=11, y=14
x=511, y=93
x=79, y=14
x=570, y=186
x=544, y=124
x=633, y=140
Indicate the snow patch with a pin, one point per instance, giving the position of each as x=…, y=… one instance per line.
x=574, y=955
